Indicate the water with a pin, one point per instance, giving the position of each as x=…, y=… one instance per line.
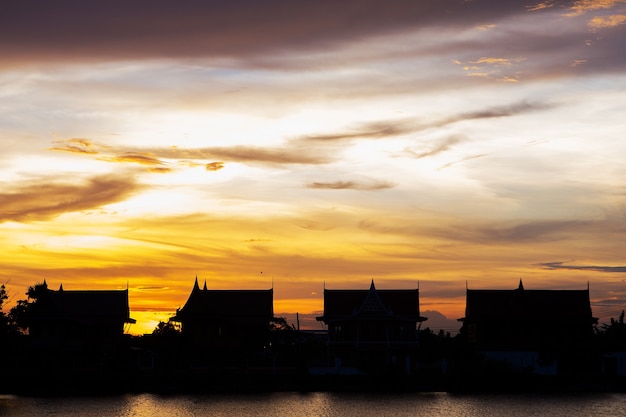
x=320, y=404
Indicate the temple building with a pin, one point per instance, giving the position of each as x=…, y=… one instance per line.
x=372, y=331
x=226, y=320
x=79, y=319
x=542, y=331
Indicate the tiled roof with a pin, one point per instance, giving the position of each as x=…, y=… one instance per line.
x=350, y=303
x=88, y=305
x=570, y=305
x=227, y=303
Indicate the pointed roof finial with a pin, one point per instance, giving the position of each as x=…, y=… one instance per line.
x=521, y=286
x=61, y=287
x=204, y=288
x=372, y=287
x=195, y=285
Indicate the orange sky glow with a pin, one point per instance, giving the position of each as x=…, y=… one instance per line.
x=300, y=146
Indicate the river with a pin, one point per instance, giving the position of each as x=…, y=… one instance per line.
x=287, y=404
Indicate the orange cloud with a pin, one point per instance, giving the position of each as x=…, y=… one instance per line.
x=543, y=5
x=77, y=145
x=607, y=22
x=47, y=198
x=214, y=166
x=583, y=6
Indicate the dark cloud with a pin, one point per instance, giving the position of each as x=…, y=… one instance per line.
x=48, y=198
x=370, y=130
x=350, y=185
x=107, y=153
x=292, y=153
x=533, y=231
x=596, y=268
x=252, y=154
x=481, y=233
x=388, y=128
x=71, y=29
x=507, y=110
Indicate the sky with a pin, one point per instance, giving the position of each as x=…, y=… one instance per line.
x=301, y=145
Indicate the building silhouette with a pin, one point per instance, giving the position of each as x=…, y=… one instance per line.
x=372, y=331
x=541, y=331
x=226, y=322
x=78, y=319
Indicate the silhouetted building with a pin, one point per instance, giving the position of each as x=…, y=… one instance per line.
x=226, y=319
x=541, y=331
x=372, y=330
x=79, y=320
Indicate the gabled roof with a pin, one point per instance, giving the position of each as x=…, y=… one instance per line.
x=85, y=305
x=560, y=305
x=205, y=303
x=343, y=304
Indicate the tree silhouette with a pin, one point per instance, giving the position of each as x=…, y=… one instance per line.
x=19, y=315
x=615, y=332
x=4, y=322
x=166, y=329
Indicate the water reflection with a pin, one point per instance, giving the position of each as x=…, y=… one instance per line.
x=321, y=404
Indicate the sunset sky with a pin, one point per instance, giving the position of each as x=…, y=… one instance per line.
x=302, y=144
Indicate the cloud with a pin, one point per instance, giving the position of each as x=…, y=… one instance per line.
x=134, y=158
x=541, y=6
x=109, y=154
x=151, y=288
x=492, y=67
x=508, y=110
x=369, y=130
x=596, y=268
x=458, y=161
x=29, y=30
x=583, y=6
x=292, y=153
x=396, y=127
x=532, y=231
x=160, y=170
x=487, y=233
x=607, y=22
x=438, y=147
x=47, y=198
x=254, y=154
x=214, y=166
x=77, y=145
x=350, y=185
